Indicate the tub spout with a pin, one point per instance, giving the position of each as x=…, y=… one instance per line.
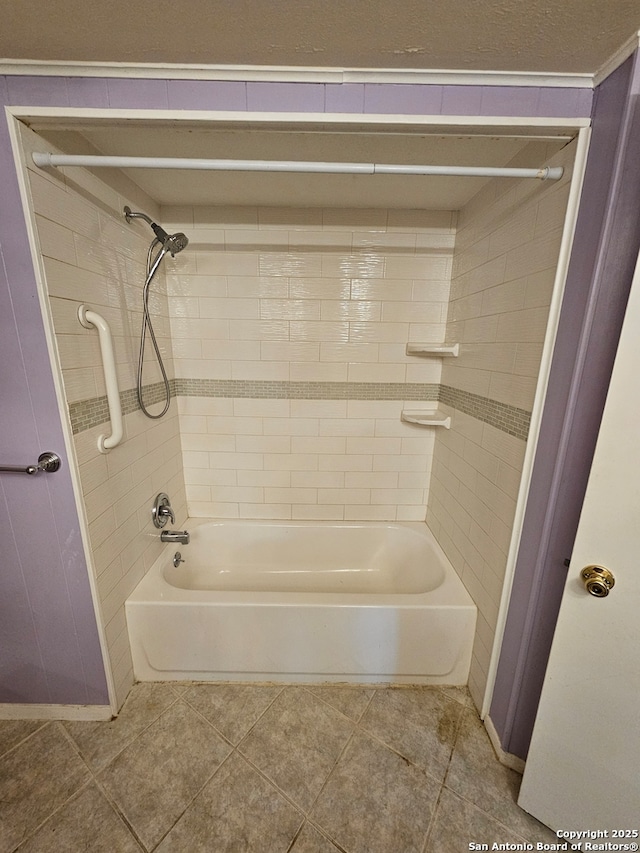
x=181, y=536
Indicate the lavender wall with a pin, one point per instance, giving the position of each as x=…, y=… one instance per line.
x=48, y=635
x=606, y=246
x=47, y=623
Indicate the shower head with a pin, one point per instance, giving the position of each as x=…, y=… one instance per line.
x=176, y=243
x=172, y=243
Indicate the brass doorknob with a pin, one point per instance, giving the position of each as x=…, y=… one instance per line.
x=597, y=580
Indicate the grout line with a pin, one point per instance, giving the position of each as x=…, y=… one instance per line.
x=116, y=808
x=196, y=795
x=308, y=688
x=432, y=822
x=26, y=737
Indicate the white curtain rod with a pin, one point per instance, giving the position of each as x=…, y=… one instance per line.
x=46, y=160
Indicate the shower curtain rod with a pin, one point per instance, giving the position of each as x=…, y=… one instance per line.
x=89, y=160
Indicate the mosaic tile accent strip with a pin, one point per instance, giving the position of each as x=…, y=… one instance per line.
x=280, y=390
x=86, y=414
x=504, y=417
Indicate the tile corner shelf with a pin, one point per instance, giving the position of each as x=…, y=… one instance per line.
x=426, y=418
x=437, y=350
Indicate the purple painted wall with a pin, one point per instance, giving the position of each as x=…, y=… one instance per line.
x=605, y=250
x=47, y=624
x=48, y=635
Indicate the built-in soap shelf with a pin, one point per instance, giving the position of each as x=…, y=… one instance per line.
x=437, y=350
x=426, y=418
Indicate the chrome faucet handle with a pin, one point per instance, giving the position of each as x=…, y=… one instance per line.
x=166, y=512
x=161, y=511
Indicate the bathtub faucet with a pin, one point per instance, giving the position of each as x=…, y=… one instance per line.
x=181, y=536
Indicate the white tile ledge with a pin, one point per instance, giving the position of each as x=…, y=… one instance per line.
x=421, y=417
x=438, y=350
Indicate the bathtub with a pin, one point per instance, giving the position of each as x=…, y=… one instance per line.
x=303, y=602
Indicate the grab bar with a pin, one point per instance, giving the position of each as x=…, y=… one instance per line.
x=48, y=462
x=88, y=319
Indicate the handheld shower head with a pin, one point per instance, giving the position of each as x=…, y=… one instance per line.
x=176, y=243
x=172, y=243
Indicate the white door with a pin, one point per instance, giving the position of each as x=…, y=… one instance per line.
x=583, y=768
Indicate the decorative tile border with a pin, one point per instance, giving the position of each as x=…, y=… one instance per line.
x=502, y=416
x=307, y=390
x=86, y=414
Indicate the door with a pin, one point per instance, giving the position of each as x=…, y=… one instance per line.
x=583, y=767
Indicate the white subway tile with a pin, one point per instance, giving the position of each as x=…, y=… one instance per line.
x=236, y=461
x=318, y=479
x=317, y=512
x=368, y=512
x=291, y=462
x=344, y=496
x=318, y=444
x=352, y=462
x=264, y=444
x=319, y=288
x=265, y=510
x=272, y=371
x=291, y=426
x=279, y=479
x=291, y=495
x=315, y=372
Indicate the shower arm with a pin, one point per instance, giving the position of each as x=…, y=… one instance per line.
x=45, y=160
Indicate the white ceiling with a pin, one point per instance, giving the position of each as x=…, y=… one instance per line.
x=571, y=36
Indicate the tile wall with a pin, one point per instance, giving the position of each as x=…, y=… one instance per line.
x=289, y=332
x=284, y=332
x=91, y=256
x=504, y=268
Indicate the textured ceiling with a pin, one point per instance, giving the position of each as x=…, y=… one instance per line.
x=571, y=36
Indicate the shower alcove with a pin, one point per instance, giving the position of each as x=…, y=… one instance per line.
x=308, y=312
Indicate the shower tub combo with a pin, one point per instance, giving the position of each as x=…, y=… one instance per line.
x=299, y=602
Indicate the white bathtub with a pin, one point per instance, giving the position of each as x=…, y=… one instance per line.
x=303, y=602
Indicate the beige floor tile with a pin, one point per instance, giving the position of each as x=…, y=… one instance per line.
x=153, y=780
x=460, y=694
x=238, y=811
x=311, y=841
x=36, y=778
x=13, y=732
x=296, y=743
x=100, y=742
x=375, y=801
x=458, y=823
x=351, y=701
x=232, y=708
x=476, y=775
x=419, y=723
x=87, y=822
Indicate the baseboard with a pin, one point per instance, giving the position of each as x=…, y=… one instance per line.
x=11, y=711
x=507, y=758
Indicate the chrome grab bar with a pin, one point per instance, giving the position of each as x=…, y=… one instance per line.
x=47, y=461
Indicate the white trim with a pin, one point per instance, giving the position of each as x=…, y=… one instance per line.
x=293, y=74
x=438, y=122
x=507, y=758
x=56, y=370
x=55, y=712
x=615, y=61
x=571, y=217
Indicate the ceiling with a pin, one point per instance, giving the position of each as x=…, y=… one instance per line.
x=568, y=36
x=324, y=142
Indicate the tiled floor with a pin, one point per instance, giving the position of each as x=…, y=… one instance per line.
x=270, y=769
